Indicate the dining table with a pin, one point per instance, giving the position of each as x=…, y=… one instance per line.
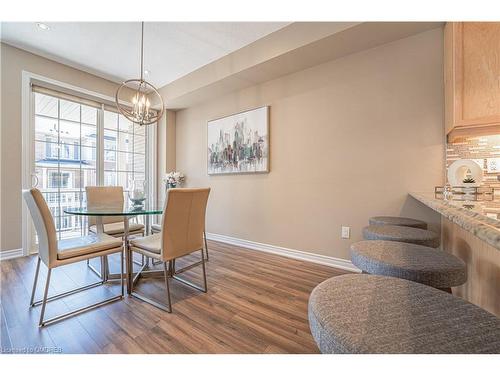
x=127, y=212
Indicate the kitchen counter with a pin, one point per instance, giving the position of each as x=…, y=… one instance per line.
x=481, y=218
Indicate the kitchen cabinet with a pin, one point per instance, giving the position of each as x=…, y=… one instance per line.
x=472, y=79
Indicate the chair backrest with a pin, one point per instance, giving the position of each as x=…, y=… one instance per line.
x=44, y=225
x=183, y=221
x=105, y=196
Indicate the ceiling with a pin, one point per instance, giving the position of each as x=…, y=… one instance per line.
x=112, y=49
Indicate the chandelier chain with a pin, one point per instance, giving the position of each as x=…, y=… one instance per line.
x=142, y=50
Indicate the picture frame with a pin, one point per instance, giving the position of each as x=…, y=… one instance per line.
x=239, y=143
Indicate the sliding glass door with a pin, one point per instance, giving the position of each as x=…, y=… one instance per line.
x=65, y=157
x=79, y=143
x=124, y=152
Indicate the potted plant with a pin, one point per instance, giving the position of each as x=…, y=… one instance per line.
x=469, y=180
x=469, y=187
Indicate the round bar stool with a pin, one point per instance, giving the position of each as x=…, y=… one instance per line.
x=421, y=264
x=401, y=234
x=378, y=314
x=399, y=221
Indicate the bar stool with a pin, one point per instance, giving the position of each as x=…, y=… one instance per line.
x=421, y=264
x=379, y=314
x=399, y=221
x=401, y=234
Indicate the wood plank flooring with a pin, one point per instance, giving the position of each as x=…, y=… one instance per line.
x=256, y=303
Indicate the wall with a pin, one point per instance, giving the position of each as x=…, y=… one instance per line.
x=349, y=139
x=13, y=62
x=165, y=152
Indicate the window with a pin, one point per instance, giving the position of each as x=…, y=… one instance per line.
x=124, y=152
x=59, y=180
x=68, y=136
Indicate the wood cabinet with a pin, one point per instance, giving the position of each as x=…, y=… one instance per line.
x=472, y=79
x=483, y=266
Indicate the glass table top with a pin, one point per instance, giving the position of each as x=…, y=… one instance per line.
x=114, y=211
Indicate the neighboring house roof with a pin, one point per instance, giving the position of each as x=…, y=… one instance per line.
x=67, y=162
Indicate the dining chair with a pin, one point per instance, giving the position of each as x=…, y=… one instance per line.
x=182, y=227
x=109, y=197
x=54, y=253
x=156, y=228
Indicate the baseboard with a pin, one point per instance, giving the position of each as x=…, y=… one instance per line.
x=283, y=251
x=10, y=254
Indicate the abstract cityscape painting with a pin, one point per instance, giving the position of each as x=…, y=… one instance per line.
x=239, y=143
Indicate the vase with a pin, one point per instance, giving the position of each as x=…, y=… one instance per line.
x=171, y=186
x=137, y=193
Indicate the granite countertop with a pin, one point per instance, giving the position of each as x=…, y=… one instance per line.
x=481, y=218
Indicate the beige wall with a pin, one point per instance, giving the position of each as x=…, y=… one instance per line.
x=13, y=62
x=349, y=139
x=165, y=152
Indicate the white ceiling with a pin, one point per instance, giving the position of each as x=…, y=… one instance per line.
x=112, y=49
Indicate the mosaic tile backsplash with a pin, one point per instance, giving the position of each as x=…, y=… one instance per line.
x=484, y=150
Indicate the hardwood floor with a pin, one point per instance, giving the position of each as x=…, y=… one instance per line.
x=256, y=303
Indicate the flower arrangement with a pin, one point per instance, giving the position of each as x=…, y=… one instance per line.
x=174, y=179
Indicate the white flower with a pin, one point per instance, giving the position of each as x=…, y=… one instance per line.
x=176, y=178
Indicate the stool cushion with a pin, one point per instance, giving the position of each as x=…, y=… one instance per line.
x=380, y=314
x=421, y=264
x=401, y=234
x=400, y=221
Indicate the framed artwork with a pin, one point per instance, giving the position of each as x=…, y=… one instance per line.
x=239, y=143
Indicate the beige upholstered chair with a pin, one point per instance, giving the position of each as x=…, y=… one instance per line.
x=54, y=253
x=182, y=227
x=110, y=196
x=156, y=228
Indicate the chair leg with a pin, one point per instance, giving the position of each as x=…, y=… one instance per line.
x=167, y=286
x=35, y=281
x=98, y=274
x=104, y=268
x=206, y=246
x=44, y=301
x=174, y=273
x=204, y=271
x=169, y=272
x=122, y=285
x=167, y=308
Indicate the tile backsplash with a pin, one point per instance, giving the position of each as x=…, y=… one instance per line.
x=485, y=150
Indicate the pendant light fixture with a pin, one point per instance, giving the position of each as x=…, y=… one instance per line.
x=143, y=95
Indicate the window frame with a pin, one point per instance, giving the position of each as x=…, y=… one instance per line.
x=28, y=143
